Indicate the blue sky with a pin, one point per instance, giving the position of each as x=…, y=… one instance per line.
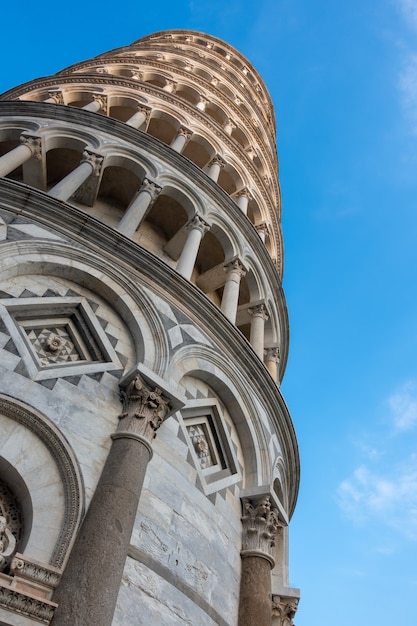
x=343, y=77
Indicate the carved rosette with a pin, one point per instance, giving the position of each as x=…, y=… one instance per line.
x=283, y=610
x=260, y=527
x=144, y=409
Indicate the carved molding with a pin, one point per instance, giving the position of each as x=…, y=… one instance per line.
x=34, y=572
x=35, y=608
x=68, y=471
x=260, y=527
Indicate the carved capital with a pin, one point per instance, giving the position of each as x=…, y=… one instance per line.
x=284, y=608
x=229, y=126
x=102, y=100
x=152, y=188
x=184, y=132
x=136, y=75
x=259, y=311
x=145, y=110
x=260, y=526
x=235, y=266
x=244, y=192
x=57, y=96
x=217, y=160
x=198, y=223
x=95, y=160
x=144, y=409
x=170, y=86
x=272, y=354
x=33, y=143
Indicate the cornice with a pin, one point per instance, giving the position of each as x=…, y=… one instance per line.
x=105, y=243
x=133, y=136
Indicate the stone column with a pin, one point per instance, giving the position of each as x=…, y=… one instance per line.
x=215, y=165
x=235, y=270
x=182, y=138
x=99, y=103
x=197, y=227
x=170, y=86
x=260, y=525
x=272, y=361
x=29, y=146
x=138, y=118
x=139, y=207
x=91, y=164
x=259, y=316
x=243, y=196
x=89, y=586
x=202, y=103
x=55, y=97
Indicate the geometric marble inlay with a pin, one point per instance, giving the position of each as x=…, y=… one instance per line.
x=202, y=442
x=53, y=345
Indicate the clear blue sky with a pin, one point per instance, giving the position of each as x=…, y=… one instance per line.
x=343, y=77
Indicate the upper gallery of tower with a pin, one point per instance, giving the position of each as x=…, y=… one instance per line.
x=195, y=93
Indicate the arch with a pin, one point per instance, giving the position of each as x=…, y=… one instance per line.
x=44, y=447
x=207, y=364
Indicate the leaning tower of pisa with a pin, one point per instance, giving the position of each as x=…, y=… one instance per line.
x=148, y=462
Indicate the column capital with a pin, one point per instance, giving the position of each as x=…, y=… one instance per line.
x=33, y=143
x=244, y=192
x=95, y=160
x=229, y=126
x=170, y=85
x=136, y=75
x=235, y=265
x=184, y=132
x=57, y=95
x=102, y=101
x=272, y=354
x=151, y=187
x=260, y=526
x=217, y=160
x=141, y=108
x=259, y=310
x=202, y=103
x=144, y=409
x=285, y=608
x=198, y=223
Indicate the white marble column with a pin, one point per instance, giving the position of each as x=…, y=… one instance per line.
x=215, y=166
x=138, y=118
x=29, y=146
x=235, y=270
x=139, y=207
x=272, y=361
x=91, y=164
x=259, y=316
x=98, y=104
x=182, y=138
x=242, y=199
x=197, y=227
x=170, y=86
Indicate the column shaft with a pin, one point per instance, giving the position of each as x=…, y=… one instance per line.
x=257, y=329
x=11, y=160
x=93, y=106
x=88, y=590
x=69, y=185
x=255, y=592
x=230, y=298
x=197, y=227
x=138, y=208
x=137, y=119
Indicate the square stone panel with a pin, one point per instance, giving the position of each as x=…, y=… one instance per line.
x=58, y=336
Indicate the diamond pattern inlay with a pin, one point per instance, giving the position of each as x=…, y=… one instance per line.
x=200, y=441
x=53, y=345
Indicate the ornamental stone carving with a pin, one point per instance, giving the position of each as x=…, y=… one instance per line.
x=144, y=409
x=198, y=223
x=260, y=527
x=284, y=609
x=272, y=354
x=259, y=310
x=35, y=572
x=35, y=608
x=57, y=95
x=101, y=100
x=33, y=143
x=95, y=160
x=152, y=188
x=7, y=544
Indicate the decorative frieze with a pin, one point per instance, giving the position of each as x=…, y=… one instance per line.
x=38, y=609
x=35, y=572
x=260, y=527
